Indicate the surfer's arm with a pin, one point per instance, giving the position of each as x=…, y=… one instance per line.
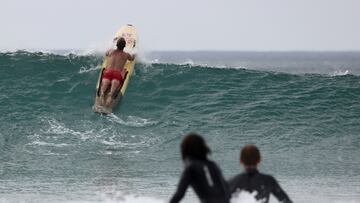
x=181, y=189
x=279, y=193
x=108, y=52
x=131, y=57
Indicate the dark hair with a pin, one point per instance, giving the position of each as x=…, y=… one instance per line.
x=250, y=155
x=120, y=44
x=194, y=146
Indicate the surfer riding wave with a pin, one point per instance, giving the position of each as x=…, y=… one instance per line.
x=114, y=72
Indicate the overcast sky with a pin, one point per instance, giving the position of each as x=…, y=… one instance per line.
x=253, y=25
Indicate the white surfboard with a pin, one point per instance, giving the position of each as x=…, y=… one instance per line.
x=129, y=33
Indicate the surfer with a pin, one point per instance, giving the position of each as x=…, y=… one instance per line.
x=114, y=73
x=203, y=175
x=252, y=180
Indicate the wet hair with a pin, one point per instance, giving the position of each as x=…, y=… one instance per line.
x=193, y=146
x=250, y=155
x=120, y=44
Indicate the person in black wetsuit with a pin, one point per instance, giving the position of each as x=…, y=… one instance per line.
x=252, y=180
x=203, y=175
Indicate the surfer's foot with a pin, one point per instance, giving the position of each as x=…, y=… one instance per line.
x=108, y=101
x=102, y=100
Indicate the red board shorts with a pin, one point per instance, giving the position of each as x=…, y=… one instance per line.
x=112, y=74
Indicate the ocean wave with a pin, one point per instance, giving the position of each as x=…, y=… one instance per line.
x=189, y=63
x=93, y=57
x=286, y=114
x=60, y=52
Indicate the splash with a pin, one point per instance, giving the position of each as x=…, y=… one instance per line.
x=340, y=73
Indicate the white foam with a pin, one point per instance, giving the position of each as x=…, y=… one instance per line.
x=59, y=128
x=125, y=199
x=118, y=197
x=188, y=62
x=131, y=121
x=63, y=79
x=73, y=86
x=84, y=69
x=340, y=73
x=244, y=197
x=96, y=48
x=41, y=143
x=78, y=52
x=154, y=61
x=134, y=199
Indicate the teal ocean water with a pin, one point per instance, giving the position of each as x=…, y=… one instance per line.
x=302, y=110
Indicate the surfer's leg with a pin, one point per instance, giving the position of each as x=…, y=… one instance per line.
x=114, y=86
x=104, y=86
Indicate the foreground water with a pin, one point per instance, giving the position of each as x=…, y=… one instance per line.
x=301, y=109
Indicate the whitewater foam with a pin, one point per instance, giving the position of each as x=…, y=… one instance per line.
x=340, y=73
x=84, y=69
x=56, y=127
x=131, y=121
x=41, y=143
